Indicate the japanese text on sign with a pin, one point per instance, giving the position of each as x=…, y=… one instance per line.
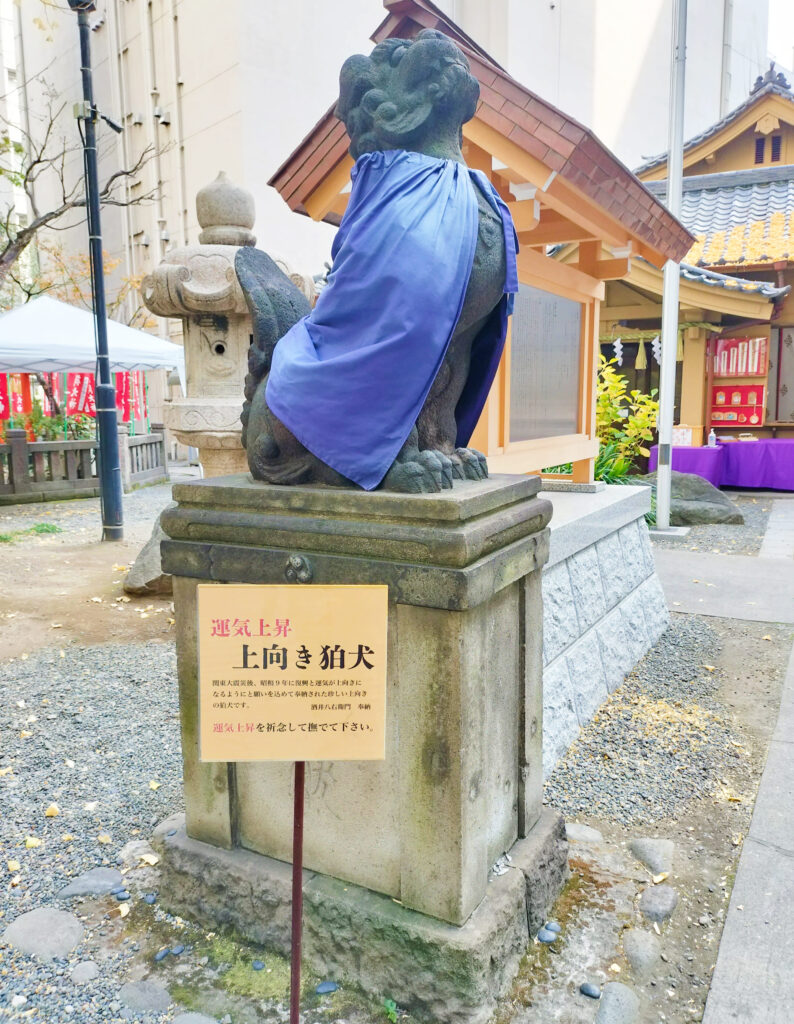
x=292, y=673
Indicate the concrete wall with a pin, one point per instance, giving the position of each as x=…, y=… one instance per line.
x=603, y=607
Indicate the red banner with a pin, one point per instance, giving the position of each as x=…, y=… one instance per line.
x=21, y=400
x=123, y=396
x=5, y=400
x=80, y=396
x=139, y=395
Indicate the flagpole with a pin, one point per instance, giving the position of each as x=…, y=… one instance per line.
x=672, y=276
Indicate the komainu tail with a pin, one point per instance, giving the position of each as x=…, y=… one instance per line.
x=275, y=305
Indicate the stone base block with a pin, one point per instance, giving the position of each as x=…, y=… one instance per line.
x=443, y=973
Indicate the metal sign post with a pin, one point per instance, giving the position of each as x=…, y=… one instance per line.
x=297, y=894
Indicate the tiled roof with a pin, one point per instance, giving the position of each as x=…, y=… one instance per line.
x=734, y=284
x=739, y=218
x=769, y=89
x=559, y=142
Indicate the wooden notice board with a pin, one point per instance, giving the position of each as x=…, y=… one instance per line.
x=292, y=673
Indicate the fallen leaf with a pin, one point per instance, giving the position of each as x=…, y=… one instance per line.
x=97, y=600
x=56, y=625
x=104, y=838
x=149, y=858
x=656, y=928
x=737, y=839
x=16, y=880
x=170, y=621
x=154, y=785
x=25, y=734
x=67, y=838
x=62, y=654
x=32, y=842
x=709, y=668
x=6, y=771
x=660, y=877
x=119, y=568
x=14, y=866
x=766, y=637
x=90, y=806
x=52, y=811
x=144, y=615
x=123, y=910
x=615, y=968
x=23, y=657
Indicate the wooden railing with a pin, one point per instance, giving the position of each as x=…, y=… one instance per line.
x=47, y=470
x=145, y=457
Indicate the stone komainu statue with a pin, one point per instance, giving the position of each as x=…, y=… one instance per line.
x=382, y=383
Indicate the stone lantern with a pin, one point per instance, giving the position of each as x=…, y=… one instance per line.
x=198, y=283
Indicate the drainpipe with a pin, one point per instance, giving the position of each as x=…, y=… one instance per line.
x=672, y=273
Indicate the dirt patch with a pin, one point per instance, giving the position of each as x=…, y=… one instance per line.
x=56, y=590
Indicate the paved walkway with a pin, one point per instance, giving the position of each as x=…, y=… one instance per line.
x=779, y=536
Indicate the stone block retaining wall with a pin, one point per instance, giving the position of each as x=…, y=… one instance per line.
x=603, y=609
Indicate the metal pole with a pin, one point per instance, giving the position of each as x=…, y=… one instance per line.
x=109, y=468
x=675, y=163
x=297, y=895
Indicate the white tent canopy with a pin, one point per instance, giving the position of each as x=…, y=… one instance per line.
x=47, y=336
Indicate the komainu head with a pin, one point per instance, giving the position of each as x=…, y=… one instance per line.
x=407, y=94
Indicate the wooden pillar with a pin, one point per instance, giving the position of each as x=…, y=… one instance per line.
x=693, y=378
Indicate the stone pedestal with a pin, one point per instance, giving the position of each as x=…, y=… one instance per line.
x=461, y=783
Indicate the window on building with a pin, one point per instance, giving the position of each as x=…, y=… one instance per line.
x=544, y=365
x=776, y=141
x=760, y=145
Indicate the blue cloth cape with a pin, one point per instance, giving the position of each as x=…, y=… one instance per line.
x=350, y=379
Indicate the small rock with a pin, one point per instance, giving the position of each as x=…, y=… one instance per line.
x=85, y=971
x=96, y=882
x=326, y=987
x=18, y=1001
x=130, y=854
x=44, y=933
x=641, y=949
x=655, y=854
x=177, y=950
x=145, y=995
x=704, y=920
x=546, y=936
x=258, y=965
x=146, y=575
x=161, y=955
x=123, y=896
x=582, y=833
x=587, y=988
x=658, y=902
x=552, y=926
x=149, y=898
x=619, y=1005
x=117, y=889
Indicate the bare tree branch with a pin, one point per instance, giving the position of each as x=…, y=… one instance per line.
x=29, y=159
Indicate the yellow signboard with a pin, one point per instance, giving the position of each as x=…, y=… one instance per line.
x=292, y=673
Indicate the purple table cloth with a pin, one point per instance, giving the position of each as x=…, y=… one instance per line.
x=705, y=462
x=767, y=463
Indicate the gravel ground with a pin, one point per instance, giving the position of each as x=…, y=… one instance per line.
x=727, y=540
x=657, y=741
x=93, y=730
